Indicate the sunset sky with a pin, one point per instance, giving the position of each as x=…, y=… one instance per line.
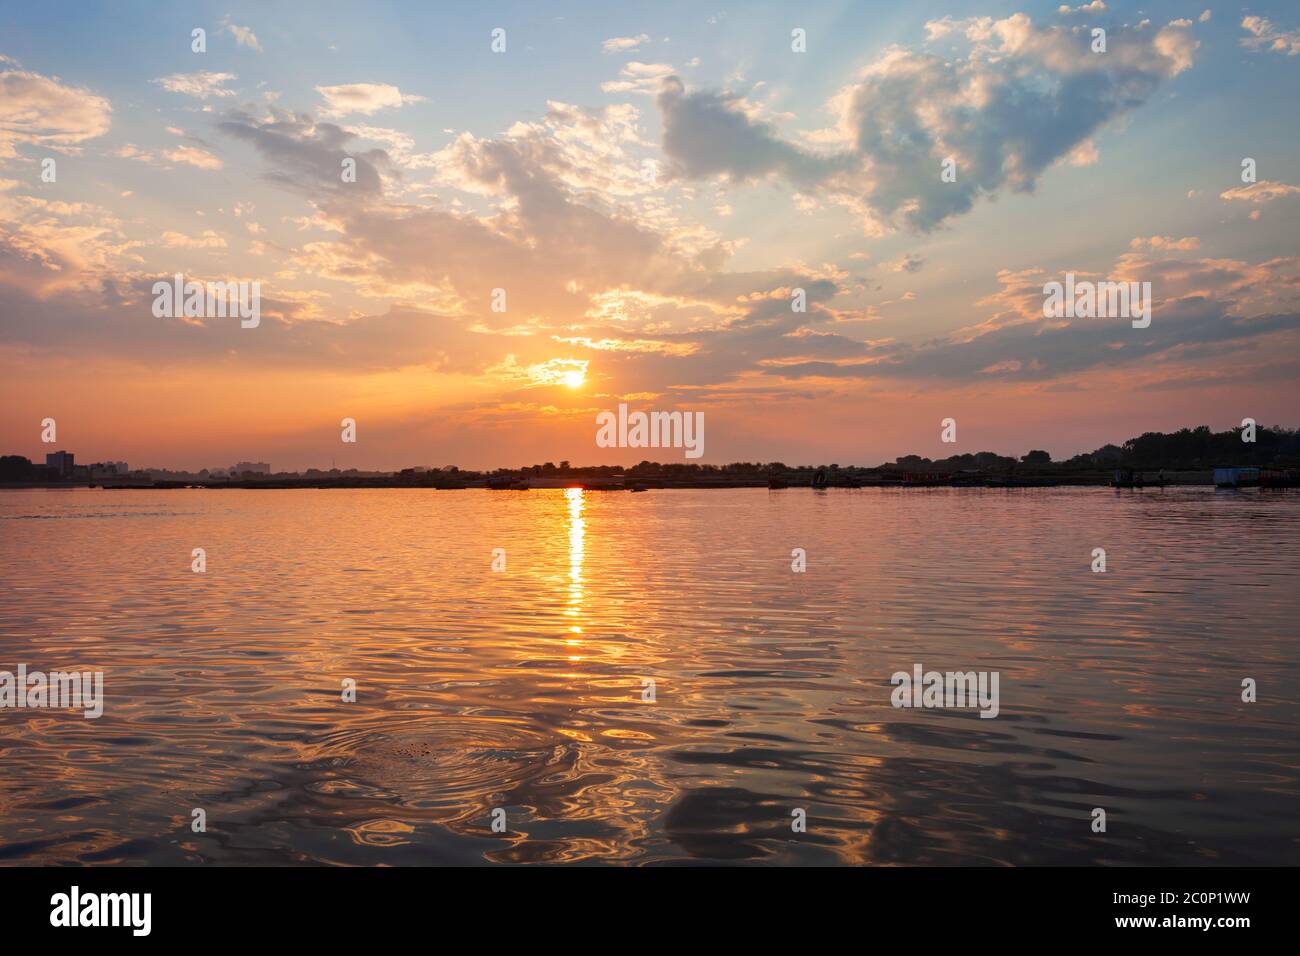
x=526, y=170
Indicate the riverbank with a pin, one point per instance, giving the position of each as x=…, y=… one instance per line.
x=639, y=483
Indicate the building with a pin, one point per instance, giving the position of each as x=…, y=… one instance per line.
x=108, y=469
x=61, y=462
x=256, y=467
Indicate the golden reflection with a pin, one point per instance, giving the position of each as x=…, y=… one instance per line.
x=577, y=532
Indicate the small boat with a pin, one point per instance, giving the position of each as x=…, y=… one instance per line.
x=1236, y=477
x=636, y=488
x=1275, y=478
x=819, y=478
x=1128, y=478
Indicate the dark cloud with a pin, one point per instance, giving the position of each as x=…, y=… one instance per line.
x=1194, y=328
x=708, y=134
x=308, y=155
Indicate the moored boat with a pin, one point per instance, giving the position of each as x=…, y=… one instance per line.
x=1236, y=477
x=1128, y=478
x=1279, y=478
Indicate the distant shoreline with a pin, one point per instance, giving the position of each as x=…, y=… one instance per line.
x=1171, y=480
x=1189, y=456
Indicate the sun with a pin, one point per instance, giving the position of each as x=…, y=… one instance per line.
x=575, y=378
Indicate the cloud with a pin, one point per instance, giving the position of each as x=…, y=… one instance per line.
x=1085, y=154
x=1204, y=308
x=610, y=291
x=598, y=267
x=399, y=146
x=558, y=236
x=1186, y=244
x=1096, y=6
x=1023, y=99
x=50, y=247
x=364, y=98
x=594, y=267
x=624, y=44
x=306, y=154
x=244, y=36
x=637, y=77
x=1261, y=192
x=193, y=156
x=41, y=111
x=115, y=320
x=583, y=149
x=196, y=156
x=710, y=134
x=1264, y=36
x=908, y=263
x=201, y=84
x=207, y=240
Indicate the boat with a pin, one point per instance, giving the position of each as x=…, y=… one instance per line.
x=819, y=478
x=1278, y=478
x=1236, y=477
x=777, y=483
x=1128, y=478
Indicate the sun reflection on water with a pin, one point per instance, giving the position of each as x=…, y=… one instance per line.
x=577, y=532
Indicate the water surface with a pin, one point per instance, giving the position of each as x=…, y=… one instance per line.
x=523, y=690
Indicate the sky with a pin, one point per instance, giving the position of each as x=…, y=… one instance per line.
x=647, y=186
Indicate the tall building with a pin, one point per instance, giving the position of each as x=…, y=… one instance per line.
x=60, y=461
x=256, y=467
